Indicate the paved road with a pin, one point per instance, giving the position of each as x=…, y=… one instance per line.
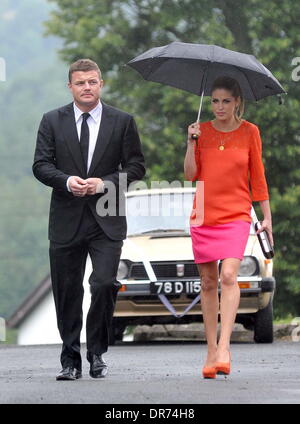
x=154, y=373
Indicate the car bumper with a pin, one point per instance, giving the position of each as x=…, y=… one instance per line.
x=135, y=299
x=142, y=287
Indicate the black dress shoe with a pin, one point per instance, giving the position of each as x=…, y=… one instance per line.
x=69, y=373
x=98, y=368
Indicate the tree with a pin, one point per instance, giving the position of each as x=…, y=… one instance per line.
x=111, y=32
x=34, y=84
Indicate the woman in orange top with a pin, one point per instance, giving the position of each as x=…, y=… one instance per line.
x=226, y=157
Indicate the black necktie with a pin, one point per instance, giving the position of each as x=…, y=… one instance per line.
x=84, y=139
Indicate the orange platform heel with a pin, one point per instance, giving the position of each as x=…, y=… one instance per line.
x=209, y=372
x=223, y=368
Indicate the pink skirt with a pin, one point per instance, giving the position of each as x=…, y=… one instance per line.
x=214, y=242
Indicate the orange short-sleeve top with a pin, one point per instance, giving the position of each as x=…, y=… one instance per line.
x=232, y=177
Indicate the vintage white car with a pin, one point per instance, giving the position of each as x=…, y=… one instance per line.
x=160, y=279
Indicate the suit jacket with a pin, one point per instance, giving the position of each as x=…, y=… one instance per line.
x=58, y=156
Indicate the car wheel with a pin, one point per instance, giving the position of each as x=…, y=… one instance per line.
x=263, y=324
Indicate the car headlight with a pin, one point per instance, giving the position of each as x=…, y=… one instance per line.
x=122, y=270
x=248, y=266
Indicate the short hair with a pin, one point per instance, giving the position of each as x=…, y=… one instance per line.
x=84, y=65
x=233, y=86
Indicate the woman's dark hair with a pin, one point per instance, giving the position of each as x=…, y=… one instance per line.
x=230, y=84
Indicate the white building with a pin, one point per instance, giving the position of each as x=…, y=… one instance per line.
x=35, y=318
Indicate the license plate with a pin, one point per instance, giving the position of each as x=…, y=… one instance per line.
x=175, y=287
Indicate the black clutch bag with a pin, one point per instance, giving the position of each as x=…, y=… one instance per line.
x=264, y=242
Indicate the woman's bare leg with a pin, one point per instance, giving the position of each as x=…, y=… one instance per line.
x=210, y=307
x=230, y=299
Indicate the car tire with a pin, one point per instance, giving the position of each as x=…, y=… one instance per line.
x=263, y=324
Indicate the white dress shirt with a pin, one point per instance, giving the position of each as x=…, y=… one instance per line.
x=93, y=121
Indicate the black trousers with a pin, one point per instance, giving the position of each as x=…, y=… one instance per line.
x=67, y=265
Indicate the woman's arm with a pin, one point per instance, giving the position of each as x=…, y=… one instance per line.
x=258, y=183
x=190, y=166
x=267, y=221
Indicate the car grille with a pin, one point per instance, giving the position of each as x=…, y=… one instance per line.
x=163, y=270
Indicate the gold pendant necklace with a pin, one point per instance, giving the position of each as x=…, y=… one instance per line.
x=222, y=140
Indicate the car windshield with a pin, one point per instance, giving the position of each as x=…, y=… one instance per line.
x=159, y=213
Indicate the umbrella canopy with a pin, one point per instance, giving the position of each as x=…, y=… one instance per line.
x=194, y=67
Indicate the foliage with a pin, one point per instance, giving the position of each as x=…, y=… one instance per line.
x=11, y=337
x=34, y=83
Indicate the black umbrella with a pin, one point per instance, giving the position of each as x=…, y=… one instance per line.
x=194, y=67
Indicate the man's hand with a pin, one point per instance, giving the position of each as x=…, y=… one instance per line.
x=78, y=186
x=95, y=185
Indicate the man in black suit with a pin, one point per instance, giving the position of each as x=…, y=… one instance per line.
x=82, y=150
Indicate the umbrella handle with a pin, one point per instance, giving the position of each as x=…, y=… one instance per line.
x=194, y=136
